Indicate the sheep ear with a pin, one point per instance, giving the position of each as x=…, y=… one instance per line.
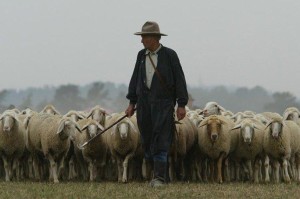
x=201, y=112
x=268, y=124
x=255, y=127
x=77, y=127
x=177, y=122
x=285, y=116
x=80, y=116
x=237, y=127
x=1, y=117
x=90, y=113
x=84, y=127
x=114, y=129
x=203, y=123
x=132, y=125
x=100, y=126
x=61, y=126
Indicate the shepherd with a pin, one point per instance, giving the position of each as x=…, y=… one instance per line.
x=156, y=85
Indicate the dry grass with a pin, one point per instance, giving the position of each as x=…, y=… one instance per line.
x=142, y=190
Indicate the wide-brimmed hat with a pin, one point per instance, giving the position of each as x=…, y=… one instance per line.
x=150, y=28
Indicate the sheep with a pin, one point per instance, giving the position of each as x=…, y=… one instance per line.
x=250, y=144
x=50, y=109
x=124, y=143
x=194, y=117
x=216, y=141
x=70, y=158
x=183, y=149
x=292, y=113
x=94, y=154
x=281, y=143
x=98, y=114
x=227, y=113
x=75, y=115
x=12, y=142
x=51, y=135
x=212, y=108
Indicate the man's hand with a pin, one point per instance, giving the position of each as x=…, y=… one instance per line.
x=130, y=110
x=180, y=113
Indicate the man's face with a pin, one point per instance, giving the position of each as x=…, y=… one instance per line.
x=148, y=41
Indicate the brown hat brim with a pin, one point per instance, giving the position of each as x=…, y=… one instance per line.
x=150, y=33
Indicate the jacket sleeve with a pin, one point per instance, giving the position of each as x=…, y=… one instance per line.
x=180, y=83
x=132, y=95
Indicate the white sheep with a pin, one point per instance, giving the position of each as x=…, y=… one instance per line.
x=292, y=113
x=281, y=142
x=212, y=108
x=12, y=142
x=98, y=114
x=124, y=143
x=183, y=150
x=216, y=141
x=51, y=135
x=70, y=158
x=250, y=145
x=94, y=154
x=50, y=109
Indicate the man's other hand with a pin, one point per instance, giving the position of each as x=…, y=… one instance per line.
x=180, y=113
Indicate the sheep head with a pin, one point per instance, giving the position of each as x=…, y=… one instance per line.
x=67, y=128
x=98, y=114
x=50, y=109
x=247, y=130
x=214, y=126
x=9, y=120
x=74, y=115
x=212, y=108
x=275, y=127
x=123, y=128
x=92, y=128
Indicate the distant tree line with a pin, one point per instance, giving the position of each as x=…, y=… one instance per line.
x=113, y=98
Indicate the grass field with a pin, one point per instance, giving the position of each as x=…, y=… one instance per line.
x=142, y=190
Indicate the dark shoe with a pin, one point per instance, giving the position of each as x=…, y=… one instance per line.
x=156, y=182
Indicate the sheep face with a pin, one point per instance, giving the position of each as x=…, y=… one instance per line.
x=212, y=108
x=247, y=133
x=92, y=129
x=8, y=122
x=123, y=129
x=67, y=128
x=275, y=129
x=213, y=129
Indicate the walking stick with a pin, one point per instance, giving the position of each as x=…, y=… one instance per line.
x=116, y=122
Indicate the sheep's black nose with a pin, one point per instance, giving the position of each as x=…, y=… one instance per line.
x=214, y=136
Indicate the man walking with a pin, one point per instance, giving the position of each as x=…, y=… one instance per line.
x=156, y=85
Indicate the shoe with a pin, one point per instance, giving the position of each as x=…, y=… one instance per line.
x=157, y=183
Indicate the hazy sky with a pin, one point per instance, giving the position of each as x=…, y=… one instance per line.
x=232, y=42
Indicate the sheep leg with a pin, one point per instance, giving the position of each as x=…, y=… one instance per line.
x=237, y=171
x=53, y=166
x=256, y=168
x=276, y=168
x=212, y=166
x=249, y=166
x=125, y=166
x=227, y=170
x=92, y=171
x=30, y=165
x=120, y=167
x=219, y=165
x=171, y=168
x=267, y=167
x=286, y=176
x=6, y=168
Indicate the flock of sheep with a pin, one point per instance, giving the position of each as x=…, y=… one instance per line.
x=209, y=145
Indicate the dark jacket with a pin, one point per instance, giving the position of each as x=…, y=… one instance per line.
x=170, y=69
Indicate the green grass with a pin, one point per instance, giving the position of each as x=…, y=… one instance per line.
x=142, y=190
